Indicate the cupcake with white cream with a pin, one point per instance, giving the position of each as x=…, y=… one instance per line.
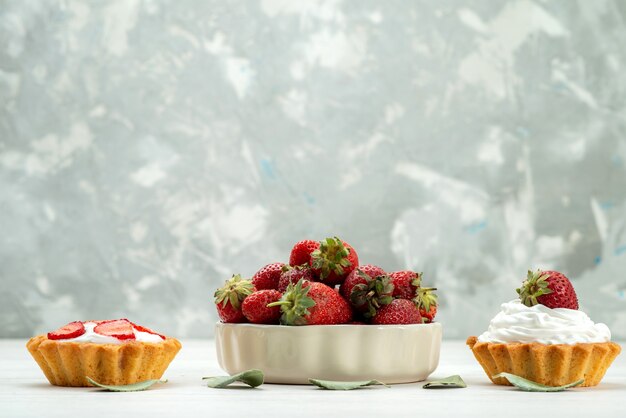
x=543, y=337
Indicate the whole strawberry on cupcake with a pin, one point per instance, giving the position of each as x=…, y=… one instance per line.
x=544, y=326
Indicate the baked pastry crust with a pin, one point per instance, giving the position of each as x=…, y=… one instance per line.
x=67, y=363
x=552, y=365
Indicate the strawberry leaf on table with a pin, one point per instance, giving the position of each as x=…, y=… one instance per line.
x=530, y=386
x=133, y=387
x=337, y=385
x=252, y=378
x=450, y=382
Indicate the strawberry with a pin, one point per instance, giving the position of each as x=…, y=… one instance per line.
x=355, y=278
x=334, y=260
x=301, y=252
x=405, y=284
x=71, y=330
x=399, y=311
x=293, y=275
x=122, y=329
x=268, y=276
x=549, y=288
x=148, y=330
x=426, y=301
x=228, y=299
x=428, y=316
x=312, y=303
x=255, y=309
x=372, y=295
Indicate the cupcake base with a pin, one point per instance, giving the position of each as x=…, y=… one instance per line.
x=551, y=365
x=68, y=363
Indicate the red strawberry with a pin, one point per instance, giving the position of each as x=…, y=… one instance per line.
x=148, y=330
x=334, y=260
x=255, y=309
x=301, y=252
x=369, y=297
x=313, y=303
x=399, y=311
x=428, y=316
x=405, y=283
x=228, y=298
x=293, y=275
x=268, y=276
x=71, y=330
x=426, y=301
x=122, y=329
x=549, y=288
x=355, y=278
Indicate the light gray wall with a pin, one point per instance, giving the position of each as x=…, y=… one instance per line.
x=149, y=149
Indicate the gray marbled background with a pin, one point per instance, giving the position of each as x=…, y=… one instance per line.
x=148, y=149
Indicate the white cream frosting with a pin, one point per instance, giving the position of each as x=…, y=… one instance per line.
x=90, y=336
x=517, y=322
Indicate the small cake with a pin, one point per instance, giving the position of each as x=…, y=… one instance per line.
x=113, y=352
x=543, y=337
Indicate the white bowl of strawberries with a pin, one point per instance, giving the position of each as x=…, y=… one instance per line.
x=324, y=316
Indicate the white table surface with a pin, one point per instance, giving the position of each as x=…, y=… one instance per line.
x=24, y=392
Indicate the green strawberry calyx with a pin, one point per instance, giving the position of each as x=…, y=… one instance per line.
x=372, y=295
x=425, y=298
x=535, y=285
x=331, y=256
x=294, y=304
x=234, y=291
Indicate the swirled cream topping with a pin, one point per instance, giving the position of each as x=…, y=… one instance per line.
x=517, y=322
x=90, y=336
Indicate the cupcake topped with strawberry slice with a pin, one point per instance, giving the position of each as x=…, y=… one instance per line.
x=544, y=337
x=111, y=352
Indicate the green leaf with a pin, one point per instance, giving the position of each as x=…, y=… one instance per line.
x=337, y=385
x=134, y=387
x=530, y=386
x=252, y=378
x=448, y=382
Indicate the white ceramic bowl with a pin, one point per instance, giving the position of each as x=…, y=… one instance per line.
x=292, y=355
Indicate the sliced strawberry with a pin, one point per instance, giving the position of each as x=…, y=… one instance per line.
x=148, y=330
x=122, y=329
x=71, y=330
